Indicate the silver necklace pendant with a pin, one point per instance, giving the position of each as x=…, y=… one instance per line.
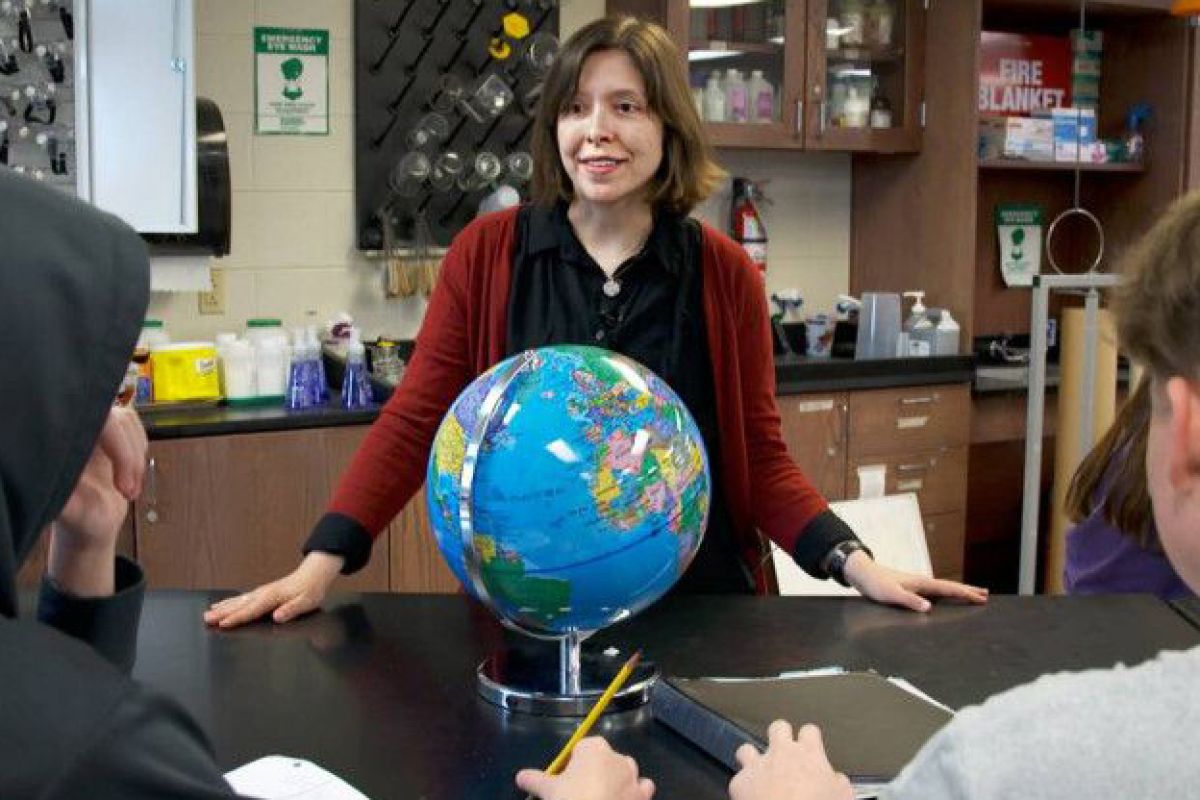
x=612, y=287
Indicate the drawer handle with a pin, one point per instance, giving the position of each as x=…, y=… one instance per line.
x=907, y=423
x=152, y=490
x=909, y=485
x=917, y=401
x=919, y=467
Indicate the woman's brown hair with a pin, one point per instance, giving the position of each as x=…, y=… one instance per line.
x=688, y=172
x=1111, y=479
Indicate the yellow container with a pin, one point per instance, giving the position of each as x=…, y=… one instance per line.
x=185, y=371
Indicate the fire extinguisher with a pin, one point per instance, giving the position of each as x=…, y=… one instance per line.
x=745, y=223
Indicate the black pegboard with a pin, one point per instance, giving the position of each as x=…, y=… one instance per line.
x=402, y=50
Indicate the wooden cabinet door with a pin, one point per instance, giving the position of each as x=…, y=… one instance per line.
x=417, y=565
x=814, y=429
x=233, y=511
x=871, y=61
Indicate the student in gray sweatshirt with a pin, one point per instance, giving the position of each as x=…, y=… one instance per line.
x=1126, y=732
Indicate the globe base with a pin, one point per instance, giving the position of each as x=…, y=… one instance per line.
x=531, y=683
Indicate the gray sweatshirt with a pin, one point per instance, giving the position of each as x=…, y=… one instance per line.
x=1127, y=733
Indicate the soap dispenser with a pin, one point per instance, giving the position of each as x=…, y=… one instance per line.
x=904, y=346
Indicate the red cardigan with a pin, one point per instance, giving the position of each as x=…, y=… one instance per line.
x=464, y=333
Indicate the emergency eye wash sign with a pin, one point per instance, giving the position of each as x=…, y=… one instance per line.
x=1020, y=74
x=291, y=81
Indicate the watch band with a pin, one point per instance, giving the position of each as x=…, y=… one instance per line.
x=834, y=563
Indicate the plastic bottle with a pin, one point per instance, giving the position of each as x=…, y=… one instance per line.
x=1134, y=142
x=320, y=385
x=854, y=22
x=356, y=384
x=762, y=98
x=714, y=98
x=915, y=315
x=946, y=335
x=153, y=333
x=857, y=109
x=735, y=96
x=299, y=388
x=237, y=371
x=922, y=339
x=745, y=224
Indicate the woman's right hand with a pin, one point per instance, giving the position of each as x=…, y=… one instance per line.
x=284, y=599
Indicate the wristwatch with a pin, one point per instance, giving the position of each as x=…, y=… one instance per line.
x=834, y=563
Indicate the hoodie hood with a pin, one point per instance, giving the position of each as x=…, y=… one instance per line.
x=74, y=282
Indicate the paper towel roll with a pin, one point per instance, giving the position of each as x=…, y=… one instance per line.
x=1067, y=448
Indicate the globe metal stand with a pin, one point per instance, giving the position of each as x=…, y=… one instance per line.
x=566, y=686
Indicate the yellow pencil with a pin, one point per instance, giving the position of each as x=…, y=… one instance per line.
x=564, y=755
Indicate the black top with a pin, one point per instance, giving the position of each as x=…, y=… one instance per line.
x=654, y=316
x=73, y=289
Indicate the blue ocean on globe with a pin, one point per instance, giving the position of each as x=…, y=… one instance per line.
x=578, y=483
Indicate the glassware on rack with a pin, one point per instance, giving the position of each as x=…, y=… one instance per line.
x=447, y=168
x=491, y=97
x=518, y=166
x=539, y=53
x=430, y=129
x=409, y=174
x=447, y=93
x=486, y=167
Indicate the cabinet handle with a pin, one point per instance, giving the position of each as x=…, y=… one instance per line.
x=152, y=491
x=916, y=401
x=918, y=467
x=799, y=117
x=823, y=117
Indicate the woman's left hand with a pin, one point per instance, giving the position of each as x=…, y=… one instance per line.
x=893, y=587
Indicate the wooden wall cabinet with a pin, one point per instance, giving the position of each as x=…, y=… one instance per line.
x=920, y=434
x=879, y=54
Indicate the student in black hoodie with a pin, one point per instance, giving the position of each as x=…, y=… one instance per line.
x=73, y=289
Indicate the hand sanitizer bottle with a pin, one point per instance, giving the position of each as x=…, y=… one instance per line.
x=356, y=384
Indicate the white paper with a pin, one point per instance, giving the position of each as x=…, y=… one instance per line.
x=872, y=480
x=890, y=525
x=181, y=273
x=287, y=778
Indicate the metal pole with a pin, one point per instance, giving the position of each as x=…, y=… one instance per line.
x=1035, y=406
x=570, y=681
x=1034, y=403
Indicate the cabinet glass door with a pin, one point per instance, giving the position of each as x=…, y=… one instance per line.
x=865, y=71
x=739, y=62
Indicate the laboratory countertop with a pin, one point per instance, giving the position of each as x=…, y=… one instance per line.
x=793, y=375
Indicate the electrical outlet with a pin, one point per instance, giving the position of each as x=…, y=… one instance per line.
x=213, y=302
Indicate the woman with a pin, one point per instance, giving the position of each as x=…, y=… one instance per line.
x=1114, y=546
x=608, y=257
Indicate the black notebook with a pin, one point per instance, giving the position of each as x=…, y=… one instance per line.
x=871, y=726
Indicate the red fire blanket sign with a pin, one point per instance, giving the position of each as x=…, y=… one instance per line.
x=1020, y=74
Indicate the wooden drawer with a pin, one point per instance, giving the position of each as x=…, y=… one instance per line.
x=906, y=420
x=945, y=535
x=938, y=477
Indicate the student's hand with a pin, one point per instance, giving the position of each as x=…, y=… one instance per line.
x=83, y=545
x=793, y=768
x=893, y=587
x=595, y=772
x=284, y=599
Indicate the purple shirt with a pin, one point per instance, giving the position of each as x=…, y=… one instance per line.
x=1100, y=560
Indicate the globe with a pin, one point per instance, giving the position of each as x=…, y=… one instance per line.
x=568, y=488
